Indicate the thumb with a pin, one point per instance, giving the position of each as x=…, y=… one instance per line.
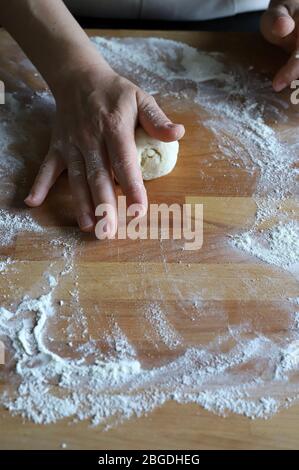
x=155, y=122
x=277, y=23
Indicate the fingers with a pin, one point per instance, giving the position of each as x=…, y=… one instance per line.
x=100, y=182
x=277, y=24
x=80, y=191
x=120, y=142
x=288, y=73
x=48, y=173
x=155, y=122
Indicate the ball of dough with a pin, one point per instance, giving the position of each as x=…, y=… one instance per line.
x=155, y=158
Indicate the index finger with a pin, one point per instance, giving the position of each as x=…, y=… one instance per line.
x=100, y=179
x=121, y=147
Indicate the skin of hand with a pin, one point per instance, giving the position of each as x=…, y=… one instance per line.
x=96, y=112
x=94, y=138
x=280, y=26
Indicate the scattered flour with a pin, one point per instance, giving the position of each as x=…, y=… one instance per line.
x=12, y=223
x=296, y=320
x=4, y=264
x=52, y=281
x=241, y=371
x=53, y=387
x=278, y=245
x=162, y=328
x=237, y=102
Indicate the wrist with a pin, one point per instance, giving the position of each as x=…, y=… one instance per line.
x=78, y=68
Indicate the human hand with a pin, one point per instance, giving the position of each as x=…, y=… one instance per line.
x=93, y=138
x=280, y=26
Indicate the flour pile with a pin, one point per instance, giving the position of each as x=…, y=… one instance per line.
x=278, y=245
x=52, y=387
x=245, y=369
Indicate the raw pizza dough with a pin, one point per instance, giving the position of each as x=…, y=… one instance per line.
x=155, y=158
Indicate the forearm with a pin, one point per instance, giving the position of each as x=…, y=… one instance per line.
x=50, y=36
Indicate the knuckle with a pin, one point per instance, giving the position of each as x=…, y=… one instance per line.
x=57, y=145
x=99, y=178
x=113, y=122
x=148, y=103
x=123, y=164
x=135, y=186
x=44, y=168
x=71, y=153
x=151, y=109
x=95, y=168
x=76, y=168
x=84, y=137
x=124, y=86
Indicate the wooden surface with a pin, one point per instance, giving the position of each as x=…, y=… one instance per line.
x=172, y=426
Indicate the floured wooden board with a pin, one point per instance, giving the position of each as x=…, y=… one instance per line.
x=142, y=344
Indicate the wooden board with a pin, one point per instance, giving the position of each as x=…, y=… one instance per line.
x=106, y=269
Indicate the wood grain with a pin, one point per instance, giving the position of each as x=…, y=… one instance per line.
x=223, y=278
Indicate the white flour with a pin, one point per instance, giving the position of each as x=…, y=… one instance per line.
x=53, y=387
x=12, y=223
x=4, y=264
x=162, y=328
x=278, y=245
x=243, y=370
x=237, y=106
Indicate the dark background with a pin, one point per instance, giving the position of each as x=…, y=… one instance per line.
x=238, y=23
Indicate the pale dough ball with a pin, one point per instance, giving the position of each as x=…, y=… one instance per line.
x=155, y=158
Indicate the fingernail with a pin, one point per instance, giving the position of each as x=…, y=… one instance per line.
x=85, y=221
x=170, y=125
x=279, y=85
x=29, y=199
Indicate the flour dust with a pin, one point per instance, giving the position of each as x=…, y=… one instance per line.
x=243, y=370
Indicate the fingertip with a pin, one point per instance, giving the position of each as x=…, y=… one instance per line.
x=27, y=201
x=86, y=223
x=170, y=132
x=33, y=200
x=279, y=84
x=179, y=130
x=283, y=26
x=87, y=228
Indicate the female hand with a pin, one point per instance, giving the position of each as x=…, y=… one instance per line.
x=93, y=138
x=280, y=26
